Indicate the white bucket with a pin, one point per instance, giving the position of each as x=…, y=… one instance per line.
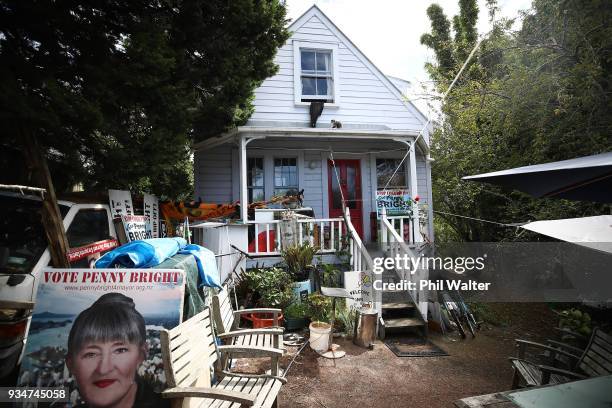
x=319, y=336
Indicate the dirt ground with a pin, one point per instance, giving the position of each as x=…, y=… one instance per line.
x=377, y=378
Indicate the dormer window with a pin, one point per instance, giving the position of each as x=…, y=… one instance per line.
x=316, y=75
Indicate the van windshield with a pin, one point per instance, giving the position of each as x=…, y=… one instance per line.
x=22, y=236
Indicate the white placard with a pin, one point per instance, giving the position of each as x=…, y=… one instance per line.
x=136, y=227
x=120, y=203
x=359, y=286
x=151, y=210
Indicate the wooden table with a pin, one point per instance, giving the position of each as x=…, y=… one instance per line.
x=496, y=400
x=590, y=393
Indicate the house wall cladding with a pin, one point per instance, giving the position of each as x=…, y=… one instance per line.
x=365, y=99
x=213, y=175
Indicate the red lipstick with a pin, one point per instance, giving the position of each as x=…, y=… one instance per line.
x=103, y=383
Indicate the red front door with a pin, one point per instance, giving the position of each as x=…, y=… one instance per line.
x=349, y=173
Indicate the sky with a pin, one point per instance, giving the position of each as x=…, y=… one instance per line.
x=388, y=31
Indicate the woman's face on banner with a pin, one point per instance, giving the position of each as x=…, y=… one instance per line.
x=106, y=371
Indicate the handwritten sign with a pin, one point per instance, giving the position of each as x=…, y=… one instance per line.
x=359, y=286
x=151, y=210
x=120, y=203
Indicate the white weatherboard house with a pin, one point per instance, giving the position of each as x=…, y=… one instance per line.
x=278, y=150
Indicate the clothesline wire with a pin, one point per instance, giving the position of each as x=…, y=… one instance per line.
x=512, y=225
x=331, y=156
x=413, y=144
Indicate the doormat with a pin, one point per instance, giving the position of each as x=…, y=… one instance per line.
x=412, y=346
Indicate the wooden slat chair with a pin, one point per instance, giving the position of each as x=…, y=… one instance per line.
x=595, y=360
x=189, y=350
x=227, y=321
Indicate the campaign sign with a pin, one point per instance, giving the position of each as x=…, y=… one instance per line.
x=120, y=203
x=75, y=254
x=136, y=227
x=96, y=333
x=396, y=202
x=151, y=210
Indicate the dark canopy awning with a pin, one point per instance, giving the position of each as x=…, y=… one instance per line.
x=585, y=178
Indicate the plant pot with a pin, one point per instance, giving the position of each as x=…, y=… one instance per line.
x=295, y=323
x=319, y=336
x=301, y=290
x=261, y=320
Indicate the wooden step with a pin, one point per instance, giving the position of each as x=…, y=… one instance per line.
x=397, y=305
x=401, y=322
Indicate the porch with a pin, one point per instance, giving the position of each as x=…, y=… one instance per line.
x=333, y=167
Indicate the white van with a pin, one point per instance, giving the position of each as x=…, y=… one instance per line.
x=24, y=253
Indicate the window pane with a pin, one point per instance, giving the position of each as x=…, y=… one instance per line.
x=384, y=170
x=308, y=60
x=309, y=86
x=285, y=173
x=255, y=175
x=88, y=226
x=323, y=62
x=256, y=194
x=322, y=88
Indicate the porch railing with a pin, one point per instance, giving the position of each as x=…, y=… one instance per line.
x=265, y=237
x=361, y=261
x=393, y=244
x=404, y=226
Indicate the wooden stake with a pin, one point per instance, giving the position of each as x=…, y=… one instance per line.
x=51, y=217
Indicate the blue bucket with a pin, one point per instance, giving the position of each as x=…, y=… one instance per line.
x=301, y=290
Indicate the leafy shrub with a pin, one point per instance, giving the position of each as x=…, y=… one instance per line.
x=319, y=307
x=346, y=317
x=576, y=321
x=332, y=276
x=272, y=286
x=298, y=259
x=296, y=311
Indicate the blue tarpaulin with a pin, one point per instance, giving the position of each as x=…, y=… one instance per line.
x=151, y=252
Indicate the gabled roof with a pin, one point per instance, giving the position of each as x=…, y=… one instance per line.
x=316, y=11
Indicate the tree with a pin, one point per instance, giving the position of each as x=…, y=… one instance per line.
x=116, y=93
x=534, y=96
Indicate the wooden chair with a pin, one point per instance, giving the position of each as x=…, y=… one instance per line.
x=595, y=360
x=227, y=321
x=189, y=351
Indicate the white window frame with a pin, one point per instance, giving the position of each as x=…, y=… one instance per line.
x=297, y=171
x=268, y=157
x=297, y=70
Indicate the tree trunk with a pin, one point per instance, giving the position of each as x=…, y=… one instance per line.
x=51, y=217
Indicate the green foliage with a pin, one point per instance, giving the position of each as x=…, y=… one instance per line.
x=332, y=276
x=576, y=321
x=298, y=259
x=272, y=286
x=536, y=96
x=117, y=93
x=296, y=311
x=346, y=318
x=319, y=307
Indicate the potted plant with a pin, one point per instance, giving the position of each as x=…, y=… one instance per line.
x=319, y=308
x=295, y=316
x=272, y=288
x=298, y=260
